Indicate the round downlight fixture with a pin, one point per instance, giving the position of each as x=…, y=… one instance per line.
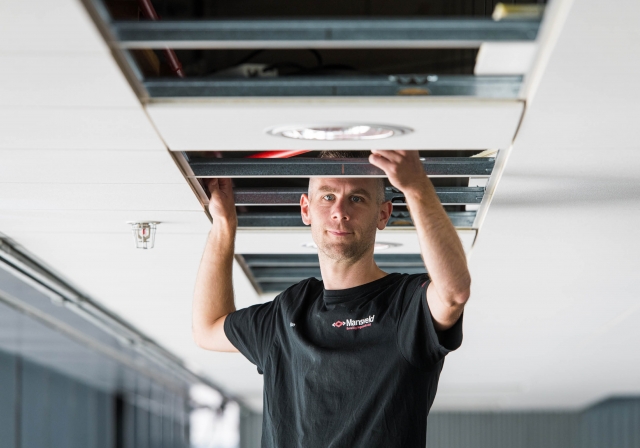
x=339, y=131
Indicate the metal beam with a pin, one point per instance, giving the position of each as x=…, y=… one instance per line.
x=317, y=33
x=491, y=87
x=291, y=195
x=293, y=219
x=314, y=167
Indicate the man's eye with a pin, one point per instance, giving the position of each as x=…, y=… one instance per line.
x=327, y=197
x=356, y=199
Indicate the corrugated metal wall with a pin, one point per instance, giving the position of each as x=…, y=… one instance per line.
x=502, y=430
x=614, y=423
x=41, y=408
x=250, y=429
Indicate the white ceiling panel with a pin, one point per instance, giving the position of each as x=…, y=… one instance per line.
x=43, y=26
x=47, y=128
x=505, y=58
x=555, y=297
x=100, y=221
x=81, y=79
x=134, y=197
x=97, y=166
x=290, y=241
x=239, y=124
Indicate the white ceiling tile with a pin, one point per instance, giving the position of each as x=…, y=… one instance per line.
x=96, y=166
x=133, y=197
x=505, y=58
x=86, y=128
x=239, y=124
x=291, y=241
x=63, y=80
x=99, y=222
x=41, y=26
x=555, y=264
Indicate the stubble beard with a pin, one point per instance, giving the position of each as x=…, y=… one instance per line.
x=352, y=250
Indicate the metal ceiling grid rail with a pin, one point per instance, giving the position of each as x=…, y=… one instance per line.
x=291, y=195
x=334, y=167
x=319, y=33
x=490, y=87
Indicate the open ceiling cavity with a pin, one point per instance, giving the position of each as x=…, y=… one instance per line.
x=209, y=49
x=268, y=190
x=275, y=272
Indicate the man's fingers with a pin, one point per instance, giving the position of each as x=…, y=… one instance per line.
x=211, y=184
x=389, y=154
x=225, y=184
x=381, y=162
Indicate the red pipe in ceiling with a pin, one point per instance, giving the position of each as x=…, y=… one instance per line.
x=283, y=154
x=149, y=12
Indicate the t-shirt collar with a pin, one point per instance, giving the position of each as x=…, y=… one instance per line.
x=335, y=296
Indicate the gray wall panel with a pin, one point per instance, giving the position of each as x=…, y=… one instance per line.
x=497, y=430
x=142, y=428
x=61, y=410
x=250, y=429
x=35, y=413
x=82, y=414
x=105, y=425
x=8, y=397
x=613, y=423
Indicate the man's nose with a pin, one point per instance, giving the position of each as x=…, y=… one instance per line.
x=340, y=211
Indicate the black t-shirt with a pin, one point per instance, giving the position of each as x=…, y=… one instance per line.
x=357, y=367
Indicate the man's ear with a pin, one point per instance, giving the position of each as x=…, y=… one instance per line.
x=385, y=213
x=304, y=209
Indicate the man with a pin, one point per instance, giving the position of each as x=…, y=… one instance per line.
x=352, y=360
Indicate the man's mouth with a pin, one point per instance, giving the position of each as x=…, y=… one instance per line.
x=339, y=232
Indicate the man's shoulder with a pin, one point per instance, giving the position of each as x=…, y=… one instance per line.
x=307, y=288
x=410, y=284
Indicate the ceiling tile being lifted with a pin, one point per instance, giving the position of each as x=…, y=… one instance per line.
x=241, y=124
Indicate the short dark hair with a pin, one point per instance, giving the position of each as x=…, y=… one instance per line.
x=380, y=196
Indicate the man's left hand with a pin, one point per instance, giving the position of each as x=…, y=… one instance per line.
x=402, y=167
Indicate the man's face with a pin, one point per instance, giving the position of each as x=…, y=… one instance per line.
x=344, y=215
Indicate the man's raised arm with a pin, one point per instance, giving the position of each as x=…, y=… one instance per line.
x=440, y=245
x=213, y=296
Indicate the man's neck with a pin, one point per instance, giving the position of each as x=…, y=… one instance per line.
x=345, y=274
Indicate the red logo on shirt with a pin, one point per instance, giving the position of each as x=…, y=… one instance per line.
x=354, y=324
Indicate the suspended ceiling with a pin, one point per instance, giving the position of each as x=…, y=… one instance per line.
x=553, y=266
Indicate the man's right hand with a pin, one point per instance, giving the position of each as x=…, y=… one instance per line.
x=222, y=205
x=213, y=295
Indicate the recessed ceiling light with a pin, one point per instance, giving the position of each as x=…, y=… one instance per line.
x=378, y=246
x=339, y=131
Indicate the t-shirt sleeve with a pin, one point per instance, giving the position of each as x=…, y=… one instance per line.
x=418, y=340
x=252, y=330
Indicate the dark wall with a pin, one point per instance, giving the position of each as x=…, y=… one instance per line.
x=41, y=408
x=8, y=400
x=614, y=423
